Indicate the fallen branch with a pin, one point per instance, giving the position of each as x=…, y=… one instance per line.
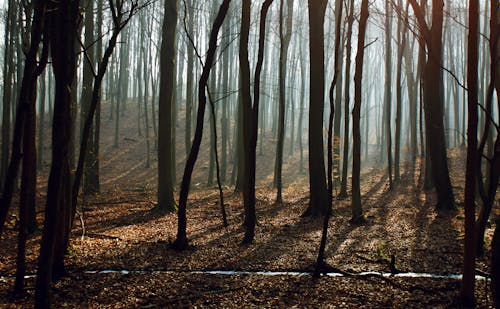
x=102, y=236
x=325, y=269
x=118, y=202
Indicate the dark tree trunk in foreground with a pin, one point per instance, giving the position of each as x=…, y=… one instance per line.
x=181, y=242
x=317, y=176
x=495, y=265
x=469, y=270
x=62, y=23
x=321, y=253
x=8, y=71
x=357, y=212
x=433, y=102
x=166, y=105
x=26, y=117
x=9, y=168
x=488, y=185
x=251, y=111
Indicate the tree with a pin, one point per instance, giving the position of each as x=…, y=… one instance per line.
x=321, y=254
x=25, y=129
x=167, y=76
x=401, y=37
x=181, y=241
x=120, y=19
x=467, y=292
x=317, y=176
x=357, y=212
x=347, y=98
x=189, y=80
x=432, y=38
x=285, y=34
x=388, y=90
x=251, y=112
x=90, y=176
x=488, y=184
x=8, y=71
x=62, y=23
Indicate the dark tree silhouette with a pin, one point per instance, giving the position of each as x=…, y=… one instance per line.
x=181, y=242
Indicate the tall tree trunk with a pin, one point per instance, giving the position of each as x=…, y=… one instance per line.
x=89, y=183
x=26, y=128
x=167, y=82
x=347, y=98
x=433, y=102
x=62, y=24
x=469, y=270
x=303, y=75
x=399, y=96
x=181, y=242
x=246, y=105
x=189, y=78
x=321, y=254
x=285, y=35
x=145, y=76
x=41, y=120
x=225, y=124
x=317, y=174
x=388, y=90
x=8, y=72
x=357, y=213
x=488, y=184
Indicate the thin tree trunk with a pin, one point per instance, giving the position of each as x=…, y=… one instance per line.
x=388, y=90
x=347, y=98
x=357, y=213
x=181, y=242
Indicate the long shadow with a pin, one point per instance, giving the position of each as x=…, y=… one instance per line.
x=132, y=218
x=378, y=214
x=441, y=259
x=368, y=206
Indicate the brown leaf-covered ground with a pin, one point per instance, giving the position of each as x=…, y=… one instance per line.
x=122, y=233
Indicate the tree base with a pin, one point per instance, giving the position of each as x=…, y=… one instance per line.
x=248, y=239
x=163, y=210
x=360, y=220
x=180, y=244
x=448, y=205
x=342, y=195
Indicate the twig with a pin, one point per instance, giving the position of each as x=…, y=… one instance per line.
x=119, y=202
x=328, y=268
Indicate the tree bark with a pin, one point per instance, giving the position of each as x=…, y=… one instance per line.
x=181, y=242
x=433, y=102
x=317, y=175
x=347, y=98
x=469, y=269
x=63, y=28
x=167, y=76
x=357, y=212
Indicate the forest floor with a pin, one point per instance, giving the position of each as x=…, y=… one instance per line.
x=120, y=232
